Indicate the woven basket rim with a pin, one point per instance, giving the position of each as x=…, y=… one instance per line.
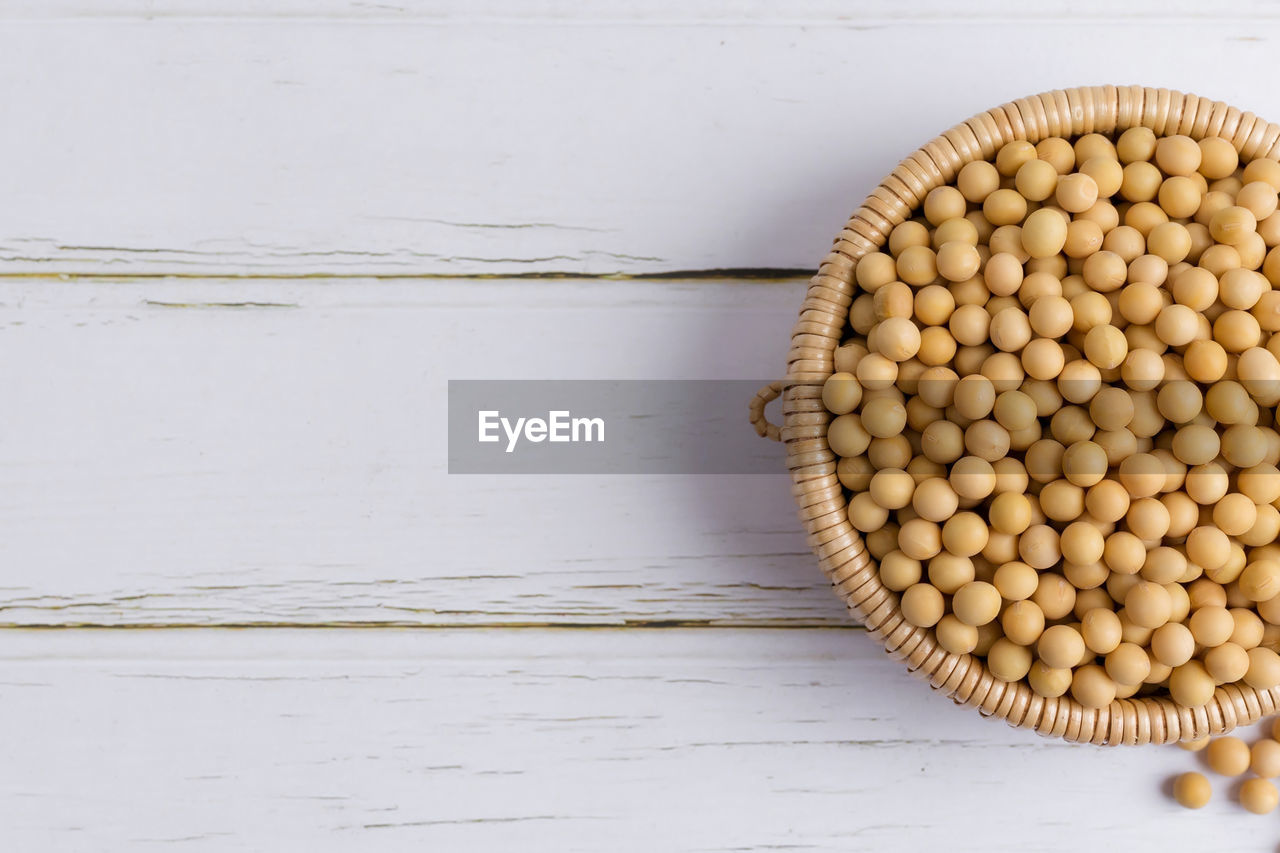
x=840, y=549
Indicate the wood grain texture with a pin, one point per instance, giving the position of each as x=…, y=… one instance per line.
x=534, y=740
x=441, y=138
x=240, y=452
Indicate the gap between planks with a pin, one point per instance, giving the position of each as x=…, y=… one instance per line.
x=340, y=642
x=10, y=628
x=753, y=274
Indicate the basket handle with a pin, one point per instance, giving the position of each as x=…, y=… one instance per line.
x=763, y=397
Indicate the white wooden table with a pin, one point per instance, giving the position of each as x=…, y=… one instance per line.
x=243, y=246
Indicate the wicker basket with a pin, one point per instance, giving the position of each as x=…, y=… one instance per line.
x=820, y=497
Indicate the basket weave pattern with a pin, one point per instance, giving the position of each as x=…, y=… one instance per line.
x=823, y=317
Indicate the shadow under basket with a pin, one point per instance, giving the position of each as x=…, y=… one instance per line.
x=821, y=326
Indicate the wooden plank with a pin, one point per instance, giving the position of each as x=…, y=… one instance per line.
x=673, y=740
x=240, y=452
x=447, y=138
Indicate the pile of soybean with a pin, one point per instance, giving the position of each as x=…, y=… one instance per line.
x=1055, y=410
